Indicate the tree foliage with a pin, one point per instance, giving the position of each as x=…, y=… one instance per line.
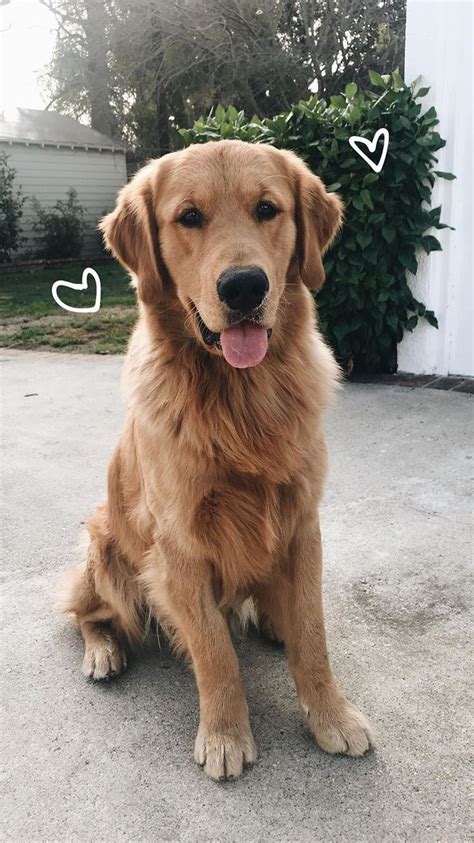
x=164, y=62
x=78, y=77
x=61, y=229
x=11, y=210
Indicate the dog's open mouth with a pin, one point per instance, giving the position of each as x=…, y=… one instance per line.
x=243, y=344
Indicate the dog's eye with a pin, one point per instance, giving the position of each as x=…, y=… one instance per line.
x=266, y=211
x=192, y=218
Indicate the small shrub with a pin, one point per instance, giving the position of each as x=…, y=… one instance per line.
x=11, y=211
x=61, y=228
x=366, y=303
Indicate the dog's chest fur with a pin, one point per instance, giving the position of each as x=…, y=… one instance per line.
x=231, y=459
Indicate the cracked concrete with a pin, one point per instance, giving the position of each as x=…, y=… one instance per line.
x=88, y=762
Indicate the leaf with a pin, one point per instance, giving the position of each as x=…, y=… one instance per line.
x=422, y=92
x=443, y=175
x=431, y=244
x=376, y=218
x=397, y=80
x=367, y=199
x=232, y=114
x=408, y=260
x=412, y=323
x=431, y=318
x=430, y=118
x=220, y=113
x=355, y=115
x=405, y=122
x=337, y=101
x=364, y=238
x=425, y=140
x=388, y=233
x=371, y=256
x=340, y=330
x=350, y=90
x=333, y=187
x=370, y=178
x=392, y=320
x=376, y=79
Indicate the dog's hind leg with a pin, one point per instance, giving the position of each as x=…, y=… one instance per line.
x=102, y=597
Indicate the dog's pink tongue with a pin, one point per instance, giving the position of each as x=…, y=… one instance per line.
x=244, y=345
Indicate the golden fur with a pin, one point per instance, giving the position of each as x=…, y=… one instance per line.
x=214, y=486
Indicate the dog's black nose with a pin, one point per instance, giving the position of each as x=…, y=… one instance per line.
x=243, y=288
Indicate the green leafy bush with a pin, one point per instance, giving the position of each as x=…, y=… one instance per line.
x=366, y=303
x=61, y=228
x=11, y=211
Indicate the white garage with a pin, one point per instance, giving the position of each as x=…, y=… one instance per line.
x=52, y=153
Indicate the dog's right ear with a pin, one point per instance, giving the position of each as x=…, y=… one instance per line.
x=130, y=231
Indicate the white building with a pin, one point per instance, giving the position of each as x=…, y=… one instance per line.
x=52, y=153
x=439, y=48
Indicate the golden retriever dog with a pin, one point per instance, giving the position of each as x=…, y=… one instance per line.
x=214, y=486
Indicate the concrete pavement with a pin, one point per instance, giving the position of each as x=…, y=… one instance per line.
x=112, y=762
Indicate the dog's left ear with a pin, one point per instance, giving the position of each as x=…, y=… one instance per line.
x=318, y=219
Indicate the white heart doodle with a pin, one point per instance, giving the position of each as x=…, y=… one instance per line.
x=81, y=286
x=371, y=146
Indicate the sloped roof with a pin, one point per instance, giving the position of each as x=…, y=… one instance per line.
x=34, y=126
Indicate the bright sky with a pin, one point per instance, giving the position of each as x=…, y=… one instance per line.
x=26, y=44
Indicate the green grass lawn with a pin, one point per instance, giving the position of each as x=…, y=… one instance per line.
x=30, y=318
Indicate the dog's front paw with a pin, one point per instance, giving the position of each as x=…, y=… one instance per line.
x=338, y=726
x=223, y=754
x=104, y=657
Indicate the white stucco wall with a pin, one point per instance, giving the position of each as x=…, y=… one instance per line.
x=439, y=41
x=48, y=172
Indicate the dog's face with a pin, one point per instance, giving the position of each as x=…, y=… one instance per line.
x=225, y=222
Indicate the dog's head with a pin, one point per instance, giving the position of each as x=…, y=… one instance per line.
x=224, y=223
